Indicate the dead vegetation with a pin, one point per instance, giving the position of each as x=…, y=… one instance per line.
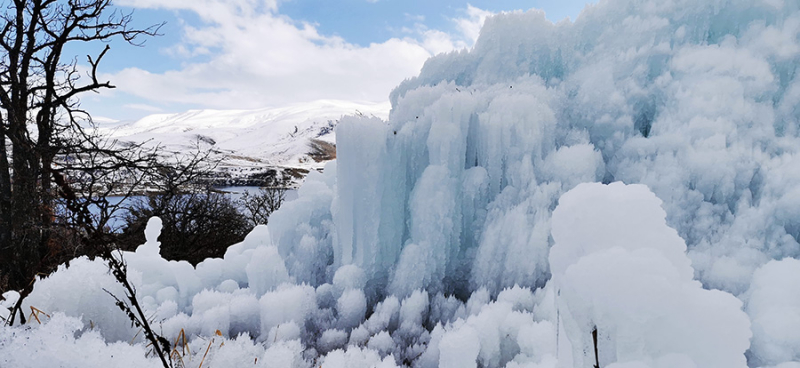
x=321, y=150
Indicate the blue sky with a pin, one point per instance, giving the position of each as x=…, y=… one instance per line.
x=244, y=54
x=362, y=22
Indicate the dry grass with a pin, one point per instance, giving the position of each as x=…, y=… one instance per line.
x=35, y=313
x=218, y=333
x=321, y=150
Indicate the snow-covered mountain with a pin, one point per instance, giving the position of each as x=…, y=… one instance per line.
x=292, y=139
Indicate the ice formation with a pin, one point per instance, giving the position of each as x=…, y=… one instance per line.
x=634, y=285
x=459, y=234
x=772, y=304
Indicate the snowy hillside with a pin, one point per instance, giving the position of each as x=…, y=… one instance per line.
x=621, y=191
x=249, y=141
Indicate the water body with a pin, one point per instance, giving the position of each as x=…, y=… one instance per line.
x=235, y=193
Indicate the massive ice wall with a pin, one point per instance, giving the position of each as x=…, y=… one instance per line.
x=696, y=99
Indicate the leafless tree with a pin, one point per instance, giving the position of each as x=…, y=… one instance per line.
x=56, y=173
x=259, y=205
x=45, y=136
x=199, y=222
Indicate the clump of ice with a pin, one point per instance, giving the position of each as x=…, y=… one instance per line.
x=620, y=270
x=772, y=303
x=81, y=290
x=266, y=270
x=58, y=343
x=151, y=233
x=593, y=217
x=356, y=358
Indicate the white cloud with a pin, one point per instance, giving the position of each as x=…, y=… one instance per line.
x=143, y=107
x=467, y=30
x=470, y=26
x=256, y=57
x=415, y=17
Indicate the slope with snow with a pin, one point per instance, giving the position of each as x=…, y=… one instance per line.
x=487, y=223
x=247, y=141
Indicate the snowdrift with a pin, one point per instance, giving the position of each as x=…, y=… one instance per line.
x=486, y=223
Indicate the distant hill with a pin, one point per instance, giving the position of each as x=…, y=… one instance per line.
x=284, y=142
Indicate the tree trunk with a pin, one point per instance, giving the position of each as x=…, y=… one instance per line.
x=26, y=229
x=5, y=212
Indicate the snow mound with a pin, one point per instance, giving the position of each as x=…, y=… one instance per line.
x=772, y=304
x=620, y=270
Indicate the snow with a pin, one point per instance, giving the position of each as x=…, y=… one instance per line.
x=266, y=270
x=619, y=216
x=633, y=172
x=646, y=305
x=79, y=291
x=772, y=304
x=459, y=350
x=56, y=345
x=290, y=304
x=352, y=307
x=331, y=340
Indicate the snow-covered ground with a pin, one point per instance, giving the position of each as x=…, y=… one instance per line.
x=486, y=223
x=247, y=141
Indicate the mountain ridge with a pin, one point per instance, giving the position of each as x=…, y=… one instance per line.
x=284, y=143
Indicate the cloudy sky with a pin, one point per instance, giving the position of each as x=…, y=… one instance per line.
x=244, y=54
